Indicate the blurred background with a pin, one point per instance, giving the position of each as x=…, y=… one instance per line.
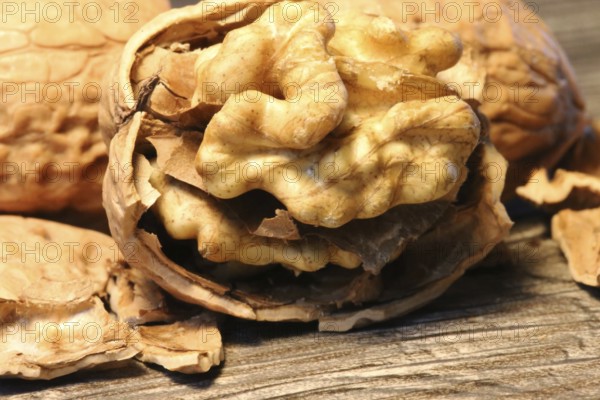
x=576, y=24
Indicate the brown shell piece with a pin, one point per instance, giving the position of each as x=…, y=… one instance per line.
x=413, y=237
x=566, y=189
x=48, y=342
x=53, y=321
x=191, y=346
x=173, y=339
x=49, y=264
x=53, y=57
x=575, y=191
x=578, y=233
x=135, y=298
x=512, y=64
x=577, y=184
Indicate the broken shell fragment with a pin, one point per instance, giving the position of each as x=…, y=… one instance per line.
x=136, y=299
x=53, y=320
x=191, y=346
x=566, y=189
x=574, y=194
x=51, y=317
x=578, y=234
x=48, y=342
x=50, y=264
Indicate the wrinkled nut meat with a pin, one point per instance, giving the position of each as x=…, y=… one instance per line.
x=220, y=105
x=512, y=64
x=54, y=322
x=351, y=140
x=53, y=57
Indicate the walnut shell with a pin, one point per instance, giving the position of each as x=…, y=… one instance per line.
x=346, y=251
x=50, y=311
x=52, y=318
x=52, y=60
x=578, y=234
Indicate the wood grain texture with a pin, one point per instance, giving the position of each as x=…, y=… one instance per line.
x=576, y=25
x=523, y=329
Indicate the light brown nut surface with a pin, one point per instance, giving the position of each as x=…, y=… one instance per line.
x=201, y=232
x=359, y=170
x=53, y=58
x=217, y=230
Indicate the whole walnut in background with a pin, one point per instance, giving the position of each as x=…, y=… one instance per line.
x=53, y=56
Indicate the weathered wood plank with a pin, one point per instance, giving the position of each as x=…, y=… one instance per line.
x=576, y=25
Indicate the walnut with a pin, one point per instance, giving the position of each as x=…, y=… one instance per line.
x=352, y=137
x=52, y=316
x=354, y=107
x=52, y=60
x=512, y=65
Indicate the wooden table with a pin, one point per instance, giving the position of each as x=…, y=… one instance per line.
x=522, y=329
